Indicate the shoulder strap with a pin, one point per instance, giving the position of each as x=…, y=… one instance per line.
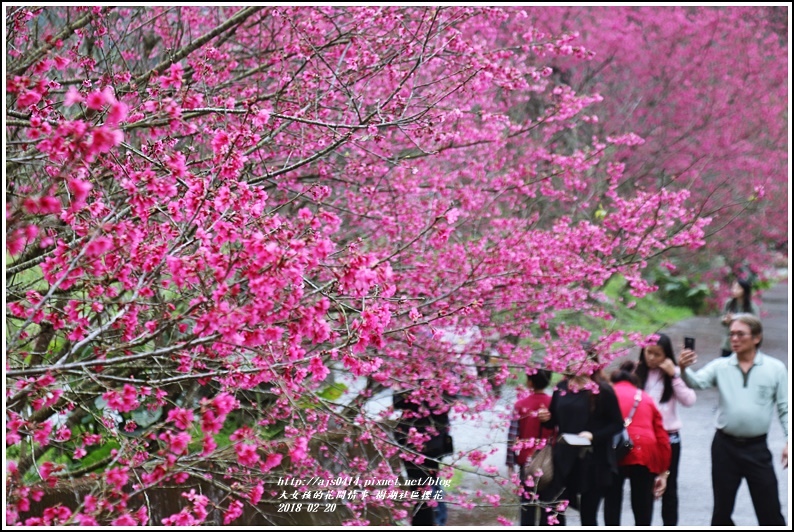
x=637, y=398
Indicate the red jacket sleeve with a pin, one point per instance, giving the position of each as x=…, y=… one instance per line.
x=661, y=458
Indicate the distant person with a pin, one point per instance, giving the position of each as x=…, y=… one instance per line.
x=434, y=421
x=741, y=301
x=751, y=387
x=526, y=430
x=647, y=465
x=660, y=377
x=583, y=471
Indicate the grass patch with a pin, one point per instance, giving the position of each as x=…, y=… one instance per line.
x=646, y=315
x=333, y=391
x=458, y=477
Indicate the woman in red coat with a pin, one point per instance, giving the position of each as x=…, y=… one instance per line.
x=526, y=429
x=647, y=465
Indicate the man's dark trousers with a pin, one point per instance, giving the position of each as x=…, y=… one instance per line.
x=733, y=459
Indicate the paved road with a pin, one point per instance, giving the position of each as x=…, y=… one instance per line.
x=695, y=480
x=695, y=496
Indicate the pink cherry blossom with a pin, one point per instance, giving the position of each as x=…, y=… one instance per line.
x=117, y=114
x=72, y=97
x=234, y=511
x=214, y=212
x=181, y=417
x=96, y=100
x=28, y=98
x=42, y=434
x=272, y=461
x=117, y=477
x=299, y=452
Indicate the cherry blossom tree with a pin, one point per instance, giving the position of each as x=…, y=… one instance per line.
x=212, y=214
x=707, y=89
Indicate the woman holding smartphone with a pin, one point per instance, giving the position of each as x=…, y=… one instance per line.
x=660, y=377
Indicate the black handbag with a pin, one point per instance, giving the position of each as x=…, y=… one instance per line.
x=621, y=442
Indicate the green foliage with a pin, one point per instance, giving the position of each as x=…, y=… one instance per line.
x=516, y=377
x=333, y=391
x=62, y=456
x=29, y=279
x=97, y=455
x=648, y=314
x=680, y=290
x=762, y=285
x=222, y=439
x=461, y=472
x=645, y=315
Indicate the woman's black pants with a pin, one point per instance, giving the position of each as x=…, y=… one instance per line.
x=641, y=481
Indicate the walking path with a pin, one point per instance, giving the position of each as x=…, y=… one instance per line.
x=695, y=495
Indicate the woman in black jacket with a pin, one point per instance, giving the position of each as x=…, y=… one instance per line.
x=424, y=418
x=587, y=470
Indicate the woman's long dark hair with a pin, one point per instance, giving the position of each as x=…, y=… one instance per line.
x=747, y=306
x=642, y=367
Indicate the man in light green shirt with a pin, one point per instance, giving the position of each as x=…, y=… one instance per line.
x=751, y=386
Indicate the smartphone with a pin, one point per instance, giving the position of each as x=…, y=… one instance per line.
x=689, y=343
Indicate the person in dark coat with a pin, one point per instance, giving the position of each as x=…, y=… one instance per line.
x=434, y=421
x=583, y=471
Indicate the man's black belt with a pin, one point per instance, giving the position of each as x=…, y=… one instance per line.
x=742, y=441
